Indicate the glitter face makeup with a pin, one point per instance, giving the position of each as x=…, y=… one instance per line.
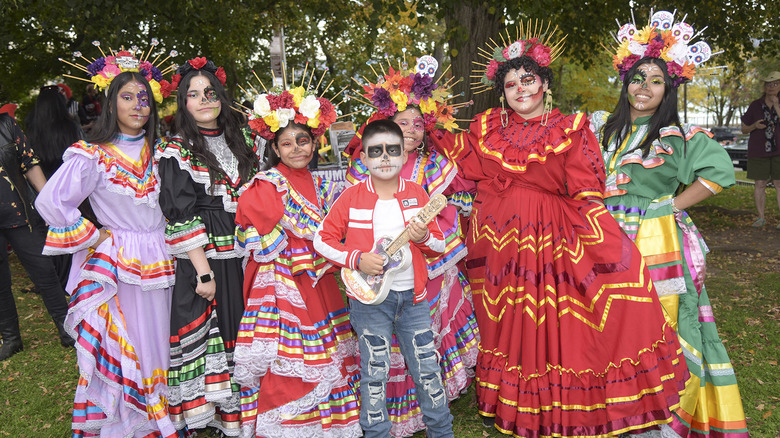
x=295, y=147
x=646, y=90
x=524, y=92
x=203, y=103
x=413, y=126
x=132, y=108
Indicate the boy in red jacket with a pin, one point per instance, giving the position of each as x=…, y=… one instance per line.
x=384, y=205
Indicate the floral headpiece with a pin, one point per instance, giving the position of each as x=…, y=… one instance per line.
x=395, y=90
x=533, y=40
x=277, y=107
x=193, y=65
x=103, y=70
x=664, y=39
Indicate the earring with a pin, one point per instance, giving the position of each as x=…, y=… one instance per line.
x=504, y=115
x=548, y=101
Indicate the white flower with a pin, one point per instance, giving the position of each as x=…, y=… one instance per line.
x=262, y=106
x=309, y=106
x=284, y=115
x=637, y=48
x=516, y=49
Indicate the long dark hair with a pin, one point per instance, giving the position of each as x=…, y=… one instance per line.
x=618, y=125
x=50, y=129
x=273, y=158
x=425, y=149
x=228, y=121
x=107, y=127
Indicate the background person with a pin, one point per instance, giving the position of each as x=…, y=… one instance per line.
x=762, y=122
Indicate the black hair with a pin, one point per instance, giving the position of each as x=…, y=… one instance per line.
x=272, y=158
x=50, y=128
x=383, y=126
x=425, y=148
x=228, y=121
x=618, y=125
x=528, y=64
x=107, y=127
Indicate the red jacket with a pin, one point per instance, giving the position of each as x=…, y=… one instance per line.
x=351, y=220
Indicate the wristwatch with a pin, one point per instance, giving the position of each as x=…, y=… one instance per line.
x=205, y=278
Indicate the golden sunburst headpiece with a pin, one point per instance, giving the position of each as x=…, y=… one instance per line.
x=103, y=70
x=533, y=39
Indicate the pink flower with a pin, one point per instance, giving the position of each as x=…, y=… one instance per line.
x=541, y=54
x=490, y=72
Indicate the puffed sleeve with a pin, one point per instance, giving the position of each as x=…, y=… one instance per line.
x=259, y=230
x=58, y=204
x=584, y=165
x=704, y=159
x=185, y=229
x=458, y=149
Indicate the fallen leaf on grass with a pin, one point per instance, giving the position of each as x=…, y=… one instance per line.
x=46, y=426
x=766, y=415
x=760, y=381
x=760, y=407
x=772, y=362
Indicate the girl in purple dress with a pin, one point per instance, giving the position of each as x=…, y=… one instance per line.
x=120, y=282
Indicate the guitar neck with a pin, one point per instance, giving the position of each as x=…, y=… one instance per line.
x=425, y=215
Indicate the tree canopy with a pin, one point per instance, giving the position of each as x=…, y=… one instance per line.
x=342, y=36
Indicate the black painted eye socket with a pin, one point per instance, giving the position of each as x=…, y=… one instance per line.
x=376, y=151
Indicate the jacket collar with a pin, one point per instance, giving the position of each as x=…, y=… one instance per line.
x=370, y=185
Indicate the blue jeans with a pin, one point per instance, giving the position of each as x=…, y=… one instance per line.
x=411, y=323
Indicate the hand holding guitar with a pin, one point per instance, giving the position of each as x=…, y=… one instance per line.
x=371, y=264
x=417, y=230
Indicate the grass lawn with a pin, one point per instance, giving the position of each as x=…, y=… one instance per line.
x=37, y=385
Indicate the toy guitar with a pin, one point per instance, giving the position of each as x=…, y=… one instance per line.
x=373, y=289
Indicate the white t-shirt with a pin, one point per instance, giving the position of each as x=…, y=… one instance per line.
x=389, y=221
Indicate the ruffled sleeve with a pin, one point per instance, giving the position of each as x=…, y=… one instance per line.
x=703, y=158
x=259, y=215
x=584, y=164
x=58, y=204
x=185, y=229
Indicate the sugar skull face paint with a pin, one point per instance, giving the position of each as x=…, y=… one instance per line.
x=413, y=126
x=524, y=92
x=203, y=102
x=646, y=90
x=131, y=113
x=294, y=146
x=143, y=100
x=383, y=156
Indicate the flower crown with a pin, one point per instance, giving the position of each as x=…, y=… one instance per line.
x=661, y=38
x=103, y=70
x=193, y=65
x=397, y=89
x=535, y=41
x=277, y=107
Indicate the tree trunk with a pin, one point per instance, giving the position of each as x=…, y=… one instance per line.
x=469, y=27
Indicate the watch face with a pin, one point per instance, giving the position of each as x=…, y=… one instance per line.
x=205, y=278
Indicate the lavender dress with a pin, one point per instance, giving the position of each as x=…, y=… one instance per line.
x=120, y=305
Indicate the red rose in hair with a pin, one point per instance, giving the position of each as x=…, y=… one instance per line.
x=300, y=118
x=327, y=112
x=197, y=63
x=286, y=100
x=220, y=74
x=166, y=88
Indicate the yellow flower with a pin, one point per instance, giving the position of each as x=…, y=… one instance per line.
x=297, y=93
x=314, y=122
x=428, y=106
x=155, y=86
x=400, y=98
x=439, y=94
x=101, y=81
x=645, y=35
x=272, y=121
x=622, y=50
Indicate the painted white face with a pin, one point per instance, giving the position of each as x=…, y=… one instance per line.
x=132, y=108
x=524, y=92
x=383, y=156
x=203, y=104
x=646, y=90
x=413, y=125
x=294, y=146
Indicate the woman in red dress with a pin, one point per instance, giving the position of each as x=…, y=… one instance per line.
x=574, y=342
